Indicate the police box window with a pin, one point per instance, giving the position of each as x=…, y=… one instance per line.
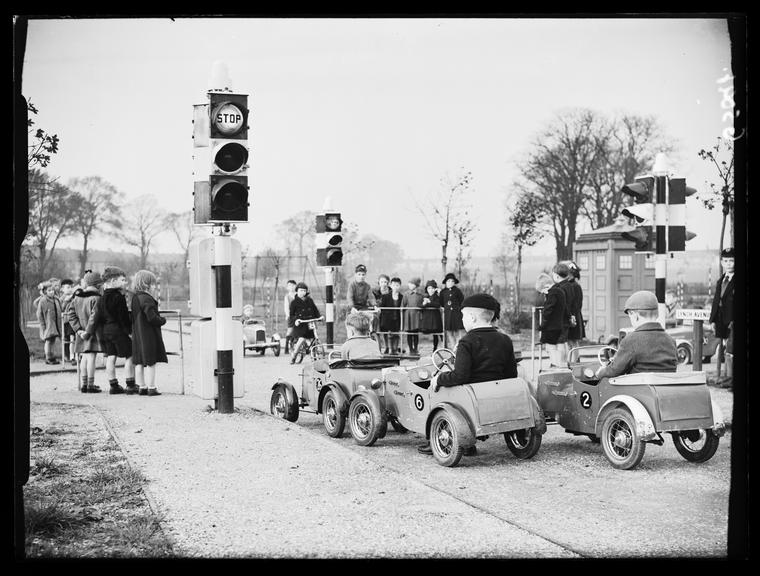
x=625, y=262
x=601, y=262
x=648, y=262
x=583, y=262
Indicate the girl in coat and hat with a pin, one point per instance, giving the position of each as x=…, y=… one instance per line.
x=49, y=317
x=301, y=308
x=81, y=317
x=147, y=342
x=553, y=328
x=413, y=301
x=431, y=322
x=451, y=300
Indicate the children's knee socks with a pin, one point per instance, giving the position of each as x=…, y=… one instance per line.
x=91, y=387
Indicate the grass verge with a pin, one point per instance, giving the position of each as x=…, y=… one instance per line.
x=83, y=500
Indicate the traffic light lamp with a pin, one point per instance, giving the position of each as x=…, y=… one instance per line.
x=642, y=190
x=678, y=235
x=221, y=159
x=641, y=212
x=642, y=237
x=329, y=239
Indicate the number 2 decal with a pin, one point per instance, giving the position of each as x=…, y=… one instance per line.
x=585, y=400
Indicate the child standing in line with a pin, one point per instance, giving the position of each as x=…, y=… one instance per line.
x=412, y=299
x=390, y=320
x=451, y=300
x=289, y=295
x=49, y=317
x=432, y=323
x=382, y=288
x=301, y=308
x=146, y=332
x=81, y=317
x=115, y=324
x=67, y=294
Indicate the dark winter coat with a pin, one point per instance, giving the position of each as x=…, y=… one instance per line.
x=572, y=306
x=647, y=349
x=451, y=300
x=553, y=324
x=577, y=332
x=147, y=342
x=112, y=315
x=412, y=299
x=302, y=309
x=483, y=354
x=722, y=312
x=81, y=316
x=432, y=323
x=49, y=317
x=390, y=320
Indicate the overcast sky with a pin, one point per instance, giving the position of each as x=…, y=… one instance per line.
x=370, y=112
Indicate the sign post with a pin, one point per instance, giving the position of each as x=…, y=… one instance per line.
x=698, y=316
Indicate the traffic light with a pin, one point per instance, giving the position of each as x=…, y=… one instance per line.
x=641, y=212
x=329, y=239
x=221, y=159
x=678, y=235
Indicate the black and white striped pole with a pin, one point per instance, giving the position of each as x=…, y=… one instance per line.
x=329, y=229
x=223, y=317
x=329, y=312
x=661, y=234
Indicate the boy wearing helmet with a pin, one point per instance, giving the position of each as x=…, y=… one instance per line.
x=648, y=348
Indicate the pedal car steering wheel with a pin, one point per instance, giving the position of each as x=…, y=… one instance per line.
x=606, y=358
x=443, y=357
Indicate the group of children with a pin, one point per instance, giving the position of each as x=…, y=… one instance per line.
x=98, y=319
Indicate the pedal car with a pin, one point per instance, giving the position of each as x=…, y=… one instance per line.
x=255, y=338
x=626, y=413
x=327, y=384
x=453, y=418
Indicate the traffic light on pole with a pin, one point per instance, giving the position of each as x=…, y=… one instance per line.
x=641, y=212
x=221, y=168
x=678, y=235
x=329, y=239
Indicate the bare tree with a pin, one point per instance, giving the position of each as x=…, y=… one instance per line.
x=299, y=231
x=143, y=221
x=463, y=235
x=558, y=168
x=523, y=220
x=181, y=225
x=721, y=156
x=446, y=209
x=99, y=208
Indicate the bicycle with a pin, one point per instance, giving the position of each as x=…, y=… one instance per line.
x=307, y=346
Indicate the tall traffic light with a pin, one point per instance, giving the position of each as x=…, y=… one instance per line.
x=642, y=212
x=329, y=239
x=220, y=137
x=678, y=235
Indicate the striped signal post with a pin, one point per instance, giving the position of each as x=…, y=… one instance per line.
x=223, y=317
x=329, y=312
x=661, y=238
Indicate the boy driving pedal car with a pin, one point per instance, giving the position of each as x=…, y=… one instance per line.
x=359, y=344
x=483, y=353
x=648, y=348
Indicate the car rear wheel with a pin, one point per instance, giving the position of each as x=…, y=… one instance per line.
x=696, y=445
x=446, y=433
x=332, y=419
x=620, y=441
x=523, y=443
x=366, y=420
x=281, y=407
x=684, y=354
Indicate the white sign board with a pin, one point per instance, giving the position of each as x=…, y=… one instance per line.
x=228, y=118
x=693, y=314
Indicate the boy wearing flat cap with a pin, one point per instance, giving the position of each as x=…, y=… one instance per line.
x=483, y=353
x=648, y=348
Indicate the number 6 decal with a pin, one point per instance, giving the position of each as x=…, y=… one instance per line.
x=419, y=403
x=586, y=400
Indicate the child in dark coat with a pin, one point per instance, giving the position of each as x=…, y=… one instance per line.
x=553, y=323
x=148, y=344
x=390, y=320
x=413, y=301
x=301, y=308
x=451, y=300
x=81, y=317
x=432, y=323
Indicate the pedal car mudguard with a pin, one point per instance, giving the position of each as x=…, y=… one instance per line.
x=644, y=424
x=290, y=391
x=468, y=438
x=340, y=396
x=374, y=399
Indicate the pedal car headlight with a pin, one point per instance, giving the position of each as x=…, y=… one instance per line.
x=588, y=373
x=376, y=383
x=423, y=374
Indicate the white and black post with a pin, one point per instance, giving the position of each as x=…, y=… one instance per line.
x=661, y=234
x=223, y=318
x=329, y=312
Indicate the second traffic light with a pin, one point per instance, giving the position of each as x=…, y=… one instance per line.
x=221, y=159
x=641, y=212
x=329, y=239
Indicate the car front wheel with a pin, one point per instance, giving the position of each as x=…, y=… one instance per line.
x=366, y=420
x=281, y=407
x=696, y=445
x=523, y=443
x=332, y=418
x=684, y=354
x=620, y=441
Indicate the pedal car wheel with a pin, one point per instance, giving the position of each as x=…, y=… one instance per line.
x=298, y=354
x=397, y=426
x=280, y=407
x=365, y=420
x=696, y=445
x=334, y=422
x=446, y=432
x=620, y=441
x=684, y=354
x=276, y=350
x=523, y=443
